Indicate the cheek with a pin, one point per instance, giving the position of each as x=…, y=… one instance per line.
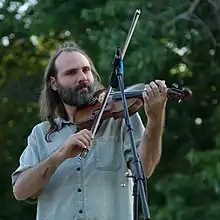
x=90, y=78
x=67, y=81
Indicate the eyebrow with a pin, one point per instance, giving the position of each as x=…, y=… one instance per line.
x=68, y=70
x=73, y=69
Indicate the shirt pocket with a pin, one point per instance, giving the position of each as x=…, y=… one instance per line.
x=108, y=153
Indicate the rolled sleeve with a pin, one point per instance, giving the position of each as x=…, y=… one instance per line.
x=28, y=159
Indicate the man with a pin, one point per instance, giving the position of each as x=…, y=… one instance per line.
x=50, y=172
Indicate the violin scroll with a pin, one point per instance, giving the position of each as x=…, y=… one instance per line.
x=85, y=116
x=178, y=93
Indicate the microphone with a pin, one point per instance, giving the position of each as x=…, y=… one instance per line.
x=116, y=67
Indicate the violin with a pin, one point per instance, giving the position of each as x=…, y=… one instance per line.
x=85, y=116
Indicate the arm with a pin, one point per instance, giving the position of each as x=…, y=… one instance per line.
x=150, y=146
x=29, y=181
x=150, y=149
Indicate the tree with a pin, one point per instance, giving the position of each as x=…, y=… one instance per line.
x=174, y=40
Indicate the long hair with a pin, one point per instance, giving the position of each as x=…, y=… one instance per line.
x=50, y=103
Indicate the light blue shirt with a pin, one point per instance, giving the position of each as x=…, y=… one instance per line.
x=94, y=189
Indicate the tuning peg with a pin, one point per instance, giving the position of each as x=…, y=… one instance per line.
x=187, y=91
x=176, y=86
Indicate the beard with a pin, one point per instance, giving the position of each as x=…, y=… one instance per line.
x=72, y=96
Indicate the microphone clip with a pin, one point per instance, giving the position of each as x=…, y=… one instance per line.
x=117, y=68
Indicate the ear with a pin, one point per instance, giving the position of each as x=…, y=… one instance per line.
x=53, y=83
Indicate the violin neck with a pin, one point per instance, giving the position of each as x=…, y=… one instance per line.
x=128, y=94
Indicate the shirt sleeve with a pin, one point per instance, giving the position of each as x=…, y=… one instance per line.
x=28, y=159
x=138, y=131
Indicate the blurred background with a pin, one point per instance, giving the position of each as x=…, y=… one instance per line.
x=175, y=40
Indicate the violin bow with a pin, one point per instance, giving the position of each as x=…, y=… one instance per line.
x=109, y=89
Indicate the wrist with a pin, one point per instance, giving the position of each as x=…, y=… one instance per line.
x=156, y=119
x=155, y=126
x=154, y=122
x=59, y=156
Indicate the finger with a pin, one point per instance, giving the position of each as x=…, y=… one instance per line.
x=145, y=97
x=162, y=86
x=84, y=140
x=155, y=89
x=88, y=132
x=87, y=135
x=88, y=138
x=80, y=144
x=149, y=91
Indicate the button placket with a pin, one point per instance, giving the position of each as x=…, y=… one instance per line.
x=81, y=205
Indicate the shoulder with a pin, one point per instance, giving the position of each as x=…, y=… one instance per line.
x=41, y=127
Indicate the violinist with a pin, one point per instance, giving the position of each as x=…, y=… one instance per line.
x=49, y=172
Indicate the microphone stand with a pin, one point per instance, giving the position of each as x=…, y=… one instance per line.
x=138, y=176
x=116, y=79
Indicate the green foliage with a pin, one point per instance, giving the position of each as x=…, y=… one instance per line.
x=173, y=40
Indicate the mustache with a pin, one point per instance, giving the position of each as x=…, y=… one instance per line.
x=82, y=86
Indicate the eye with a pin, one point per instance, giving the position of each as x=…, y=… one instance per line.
x=71, y=72
x=86, y=69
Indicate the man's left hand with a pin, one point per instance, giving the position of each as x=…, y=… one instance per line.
x=155, y=98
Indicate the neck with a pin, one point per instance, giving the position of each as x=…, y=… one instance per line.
x=71, y=111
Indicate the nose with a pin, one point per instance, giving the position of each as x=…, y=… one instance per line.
x=82, y=76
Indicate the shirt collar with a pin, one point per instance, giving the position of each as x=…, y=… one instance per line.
x=61, y=122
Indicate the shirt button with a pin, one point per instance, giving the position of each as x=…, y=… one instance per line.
x=78, y=169
x=79, y=190
x=80, y=211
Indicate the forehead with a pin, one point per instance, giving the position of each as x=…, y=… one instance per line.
x=70, y=60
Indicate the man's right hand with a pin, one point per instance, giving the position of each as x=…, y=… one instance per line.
x=76, y=143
